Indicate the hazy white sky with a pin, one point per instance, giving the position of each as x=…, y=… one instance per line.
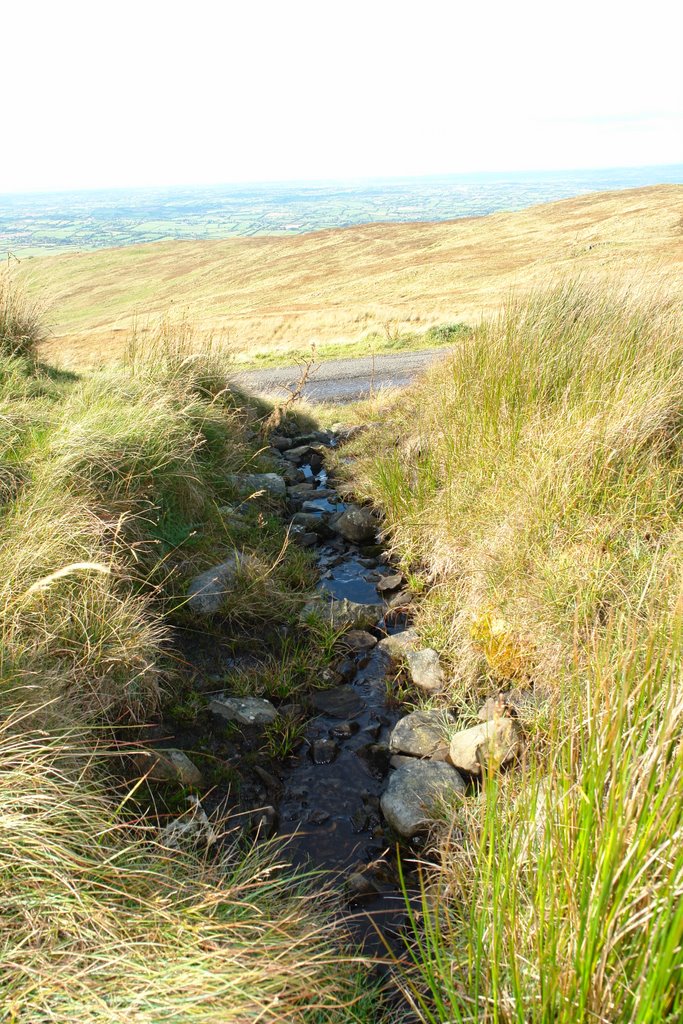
x=118, y=93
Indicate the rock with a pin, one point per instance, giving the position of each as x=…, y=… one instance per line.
x=401, y=601
x=168, y=766
x=244, y=710
x=342, y=614
x=304, y=540
x=425, y=670
x=301, y=491
x=192, y=829
x=488, y=745
x=339, y=702
x=269, y=780
x=292, y=476
x=389, y=583
x=310, y=522
x=397, y=645
x=207, y=592
x=344, y=730
x=252, y=483
x=301, y=453
x=324, y=751
x=356, y=525
x=282, y=444
x=264, y=822
x=421, y=733
x=358, y=640
x=360, y=884
x=415, y=790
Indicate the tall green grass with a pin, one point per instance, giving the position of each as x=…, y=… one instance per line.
x=533, y=484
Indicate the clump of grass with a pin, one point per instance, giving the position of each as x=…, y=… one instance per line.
x=101, y=923
x=535, y=475
x=563, y=900
x=22, y=323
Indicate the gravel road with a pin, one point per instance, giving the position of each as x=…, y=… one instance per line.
x=343, y=380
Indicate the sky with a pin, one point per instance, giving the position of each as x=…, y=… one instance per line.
x=117, y=93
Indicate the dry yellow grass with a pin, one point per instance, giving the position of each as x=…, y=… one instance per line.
x=278, y=293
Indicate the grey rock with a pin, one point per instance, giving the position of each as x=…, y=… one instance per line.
x=168, y=766
x=292, y=476
x=192, y=829
x=421, y=733
x=244, y=710
x=310, y=522
x=264, y=822
x=415, y=790
x=301, y=453
x=360, y=884
x=282, y=444
x=389, y=583
x=338, y=702
x=304, y=540
x=358, y=640
x=324, y=751
x=397, y=645
x=489, y=745
x=207, y=592
x=302, y=491
x=342, y=614
x=252, y=483
x=357, y=525
x=425, y=670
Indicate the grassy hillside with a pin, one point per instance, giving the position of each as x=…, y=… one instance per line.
x=282, y=293
x=112, y=489
x=532, y=484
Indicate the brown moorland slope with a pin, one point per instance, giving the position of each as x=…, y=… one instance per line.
x=275, y=293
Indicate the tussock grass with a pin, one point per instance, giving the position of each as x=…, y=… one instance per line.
x=533, y=483
x=535, y=475
x=22, y=325
x=101, y=924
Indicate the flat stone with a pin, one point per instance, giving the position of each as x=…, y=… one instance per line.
x=489, y=745
x=358, y=640
x=302, y=491
x=425, y=670
x=361, y=884
x=342, y=614
x=304, y=540
x=389, y=583
x=252, y=483
x=168, y=766
x=357, y=525
x=244, y=710
x=207, y=592
x=421, y=733
x=338, y=702
x=397, y=645
x=414, y=792
x=324, y=751
x=300, y=454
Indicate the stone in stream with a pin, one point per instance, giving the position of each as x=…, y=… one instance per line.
x=356, y=525
x=311, y=522
x=415, y=791
x=324, y=751
x=397, y=645
x=342, y=614
x=250, y=483
x=425, y=670
x=282, y=444
x=302, y=491
x=421, y=733
x=389, y=583
x=338, y=702
x=304, y=540
x=191, y=829
x=302, y=453
x=489, y=745
x=244, y=710
x=208, y=591
x=168, y=766
x=358, y=640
